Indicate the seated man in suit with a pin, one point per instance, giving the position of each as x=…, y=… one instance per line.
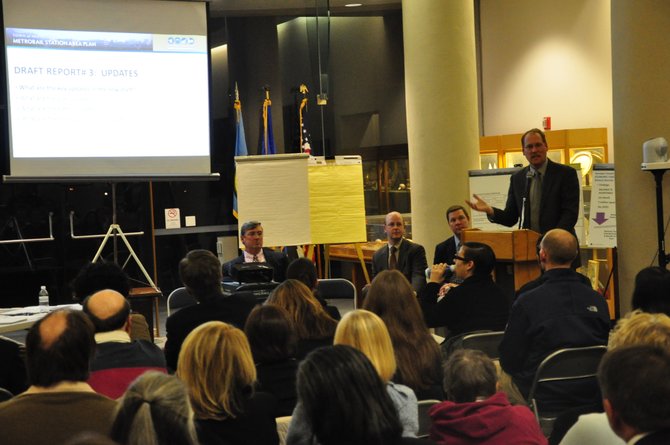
x=458, y=220
x=118, y=359
x=200, y=271
x=636, y=390
x=400, y=253
x=251, y=235
x=476, y=304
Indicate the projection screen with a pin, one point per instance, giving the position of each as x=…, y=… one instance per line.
x=107, y=88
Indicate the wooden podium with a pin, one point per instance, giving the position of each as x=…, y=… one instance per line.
x=517, y=247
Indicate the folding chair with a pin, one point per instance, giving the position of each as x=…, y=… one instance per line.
x=487, y=342
x=179, y=299
x=336, y=288
x=424, y=419
x=569, y=364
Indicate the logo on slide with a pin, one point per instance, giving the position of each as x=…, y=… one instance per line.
x=181, y=41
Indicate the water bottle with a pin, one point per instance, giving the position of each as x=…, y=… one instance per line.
x=43, y=298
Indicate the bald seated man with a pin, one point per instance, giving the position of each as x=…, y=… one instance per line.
x=59, y=404
x=400, y=253
x=118, y=360
x=560, y=313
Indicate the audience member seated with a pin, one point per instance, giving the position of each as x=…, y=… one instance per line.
x=561, y=313
x=417, y=355
x=200, y=271
x=367, y=332
x=216, y=365
x=273, y=344
x=636, y=390
x=400, y=253
x=155, y=410
x=475, y=412
x=637, y=328
x=59, y=403
x=474, y=305
x=12, y=366
x=532, y=284
x=344, y=402
x=118, y=360
x=94, y=277
x=304, y=270
x=458, y=220
x=652, y=290
x=313, y=325
x=251, y=236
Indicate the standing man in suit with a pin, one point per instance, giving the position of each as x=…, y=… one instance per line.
x=458, y=220
x=400, y=253
x=543, y=195
x=251, y=235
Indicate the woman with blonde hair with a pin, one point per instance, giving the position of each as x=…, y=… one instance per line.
x=314, y=327
x=154, y=410
x=367, y=332
x=216, y=365
x=417, y=355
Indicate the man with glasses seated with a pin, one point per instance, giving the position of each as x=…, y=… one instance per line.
x=475, y=304
x=542, y=196
x=251, y=235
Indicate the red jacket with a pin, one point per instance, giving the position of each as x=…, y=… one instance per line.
x=492, y=422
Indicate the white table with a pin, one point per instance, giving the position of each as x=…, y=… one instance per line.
x=25, y=317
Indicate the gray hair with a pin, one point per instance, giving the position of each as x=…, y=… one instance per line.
x=155, y=410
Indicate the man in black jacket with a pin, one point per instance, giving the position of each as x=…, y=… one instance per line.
x=200, y=271
x=476, y=304
x=251, y=235
x=560, y=313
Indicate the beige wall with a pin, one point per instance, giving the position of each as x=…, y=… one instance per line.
x=641, y=95
x=546, y=58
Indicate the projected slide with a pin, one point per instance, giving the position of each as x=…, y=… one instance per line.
x=82, y=94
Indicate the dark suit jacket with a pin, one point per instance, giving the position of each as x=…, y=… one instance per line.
x=445, y=251
x=560, y=199
x=277, y=260
x=477, y=304
x=411, y=262
x=232, y=309
x=661, y=437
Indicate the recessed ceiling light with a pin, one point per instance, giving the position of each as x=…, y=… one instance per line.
x=353, y=5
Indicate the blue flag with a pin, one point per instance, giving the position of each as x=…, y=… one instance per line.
x=240, y=142
x=267, y=140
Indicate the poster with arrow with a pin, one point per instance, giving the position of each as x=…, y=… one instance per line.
x=602, y=218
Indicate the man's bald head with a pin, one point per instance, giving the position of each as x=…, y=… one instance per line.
x=560, y=248
x=59, y=348
x=108, y=310
x=52, y=328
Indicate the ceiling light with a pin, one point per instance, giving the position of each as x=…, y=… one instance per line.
x=353, y=5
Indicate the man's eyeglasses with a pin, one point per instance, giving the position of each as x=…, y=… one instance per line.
x=456, y=257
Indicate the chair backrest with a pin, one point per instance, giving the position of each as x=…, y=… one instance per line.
x=424, y=419
x=179, y=299
x=282, y=428
x=5, y=395
x=566, y=364
x=336, y=288
x=487, y=342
